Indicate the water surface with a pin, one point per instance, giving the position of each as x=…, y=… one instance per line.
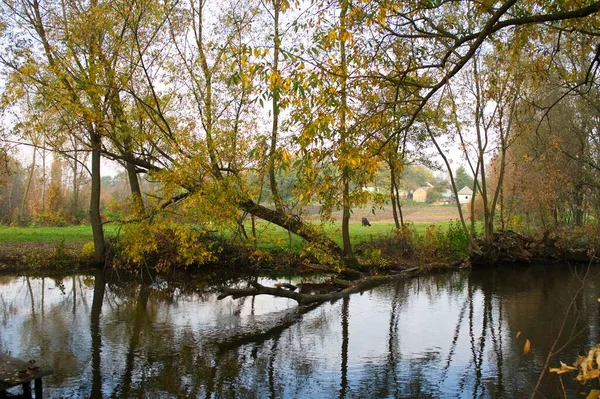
x=445, y=335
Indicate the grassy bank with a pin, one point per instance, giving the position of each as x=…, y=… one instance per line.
x=268, y=235
x=68, y=234
x=62, y=247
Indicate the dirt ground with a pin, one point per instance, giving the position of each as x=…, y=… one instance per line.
x=412, y=214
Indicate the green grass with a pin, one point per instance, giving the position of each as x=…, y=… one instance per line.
x=270, y=236
x=80, y=234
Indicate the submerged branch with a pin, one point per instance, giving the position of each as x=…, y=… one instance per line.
x=345, y=289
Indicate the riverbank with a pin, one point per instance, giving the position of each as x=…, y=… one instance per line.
x=69, y=248
x=379, y=249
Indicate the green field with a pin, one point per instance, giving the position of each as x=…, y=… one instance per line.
x=75, y=234
x=268, y=235
x=271, y=236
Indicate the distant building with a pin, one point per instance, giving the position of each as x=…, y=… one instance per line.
x=420, y=194
x=446, y=197
x=465, y=195
x=446, y=194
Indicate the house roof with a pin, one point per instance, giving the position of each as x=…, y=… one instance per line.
x=465, y=191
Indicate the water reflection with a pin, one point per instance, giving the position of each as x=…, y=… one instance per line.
x=445, y=335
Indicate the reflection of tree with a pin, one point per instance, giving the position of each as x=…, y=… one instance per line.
x=345, y=342
x=535, y=301
x=395, y=375
x=164, y=344
x=272, y=385
x=139, y=318
x=96, y=333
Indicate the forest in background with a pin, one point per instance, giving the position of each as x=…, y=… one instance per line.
x=222, y=113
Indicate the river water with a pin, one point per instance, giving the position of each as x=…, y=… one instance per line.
x=452, y=334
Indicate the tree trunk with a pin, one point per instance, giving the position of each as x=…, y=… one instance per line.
x=276, y=91
x=44, y=178
x=26, y=193
x=95, y=218
x=393, y=196
x=292, y=224
x=472, y=244
x=75, y=192
x=399, y=204
x=134, y=186
x=578, y=211
x=347, y=245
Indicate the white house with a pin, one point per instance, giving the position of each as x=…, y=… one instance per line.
x=465, y=195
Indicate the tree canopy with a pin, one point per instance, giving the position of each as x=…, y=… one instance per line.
x=220, y=102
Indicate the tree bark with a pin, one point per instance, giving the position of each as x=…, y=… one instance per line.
x=347, y=245
x=94, y=211
x=292, y=224
x=26, y=193
x=276, y=92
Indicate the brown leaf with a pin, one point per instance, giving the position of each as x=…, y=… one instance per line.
x=518, y=334
x=527, y=347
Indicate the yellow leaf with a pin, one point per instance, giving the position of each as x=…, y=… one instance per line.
x=594, y=394
x=527, y=347
x=562, y=369
x=518, y=334
x=593, y=374
x=286, y=157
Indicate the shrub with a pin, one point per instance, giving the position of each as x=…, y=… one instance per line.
x=457, y=240
x=435, y=245
x=166, y=245
x=50, y=219
x=88, y=250
x=375, y=259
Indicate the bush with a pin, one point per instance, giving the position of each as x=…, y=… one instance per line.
x=457, y=240
x=435, y=245
x=88, y=250
x=50, y=219
x=166, y=246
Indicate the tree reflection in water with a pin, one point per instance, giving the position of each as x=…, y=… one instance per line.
x=443, y=335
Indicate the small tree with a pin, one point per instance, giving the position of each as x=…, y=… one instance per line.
x=463, y=178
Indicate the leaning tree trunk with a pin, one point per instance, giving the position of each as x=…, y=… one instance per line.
x=134, y=186
x=292, y=224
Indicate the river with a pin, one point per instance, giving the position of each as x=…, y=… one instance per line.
x=454, y=334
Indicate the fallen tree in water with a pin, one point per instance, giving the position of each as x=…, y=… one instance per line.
x=343, y=288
